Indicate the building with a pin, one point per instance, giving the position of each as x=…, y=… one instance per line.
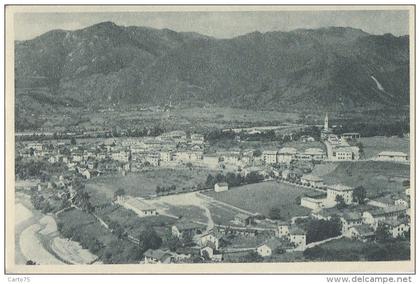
x=269, y=157
x=312, y=180
x=374, y=216
x=312, y=203
x=153, y=159
x=307, y=138
x=208, y=237
x=326, y=131
x=393, y=156
x=221, y=186
x=349, y=220
x=157, y=256
x=311, y=154
x=396, y=227
x=269, y=247
x=165, y=156
x=140, y=207
x=283, y=229
x=187, y=229
x=383, y=202
x=286, y=155
x=339, y=190
x=243, y=219
x=361, y=232
x=297, y=238
x=346, y=153
x=351, y=135
x=197, y=139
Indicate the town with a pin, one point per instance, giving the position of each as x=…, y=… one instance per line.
x=175, y=197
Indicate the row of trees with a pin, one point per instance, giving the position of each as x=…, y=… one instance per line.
x=233, y=179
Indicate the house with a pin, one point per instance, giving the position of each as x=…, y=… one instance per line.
x=349, y=220
x=243, y=219
x=345, y=192
x=311, y=154
x=312, y=180
x=208, y=237
x=382, y=202
x=374, y=216
x=286, y=155
x=291, y=174
x=269, y=247
x=209, y=251
x=312, y=203
x=297, y=237
x=153, y=159
x=140, y=207
x=197, y=139
x=221, y=186
x=165, y=156
x=393, y=156
x=85, y=173
x=396, y=227
x=402, y=201
x=351, y=135
x=269, y=157
x=307, y=138
x=157, y=256
x=187, y=229
x=361, y=232
x=283, y=229
x=346, y=153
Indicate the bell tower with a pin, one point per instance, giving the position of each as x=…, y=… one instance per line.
x=326, y=126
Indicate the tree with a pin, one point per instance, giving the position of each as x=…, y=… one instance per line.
x=119, y=192
x=149, y=239
x=275, y=213
x=359, y=195
x=257, y=153
x=340, y=202
x=382, y=234
x=211, y=181
x=73, y=141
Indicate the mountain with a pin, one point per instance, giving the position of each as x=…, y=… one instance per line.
x=334, y=68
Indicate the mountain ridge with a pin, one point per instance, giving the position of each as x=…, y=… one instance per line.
x=327, y=68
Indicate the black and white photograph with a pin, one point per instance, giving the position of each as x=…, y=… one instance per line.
x=207, y=138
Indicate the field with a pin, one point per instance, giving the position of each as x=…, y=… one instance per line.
x=372, y=146
x=131, y=223
x=261, y=197
x=143, y=184
x=376, y=176
x=353, y=250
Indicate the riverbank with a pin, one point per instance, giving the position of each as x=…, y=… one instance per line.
x=37, y=238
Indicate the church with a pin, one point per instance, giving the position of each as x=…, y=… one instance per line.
x=326, y=131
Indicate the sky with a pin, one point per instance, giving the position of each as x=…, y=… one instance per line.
x=217, y=24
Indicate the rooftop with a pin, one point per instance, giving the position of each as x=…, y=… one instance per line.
x=340, y=187
x=364, y=230
x=312, y=178
x=187, y=225
x=390, y=153
x=157, y=254
x=287, y=150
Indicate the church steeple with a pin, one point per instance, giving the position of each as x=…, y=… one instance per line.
x=326, y=126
